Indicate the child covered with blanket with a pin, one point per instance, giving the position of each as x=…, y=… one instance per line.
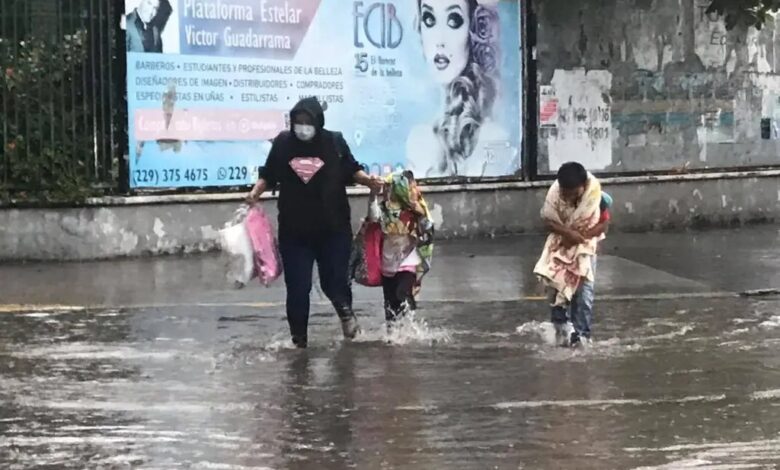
x=407, y=242
x=567, y=267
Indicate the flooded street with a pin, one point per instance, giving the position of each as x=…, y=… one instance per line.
x=675, y=379
x=668, y=382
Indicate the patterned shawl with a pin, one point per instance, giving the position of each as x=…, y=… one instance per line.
x=398, y=197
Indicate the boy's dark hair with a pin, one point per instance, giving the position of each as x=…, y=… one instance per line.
x=408, y=175
x=572, y=175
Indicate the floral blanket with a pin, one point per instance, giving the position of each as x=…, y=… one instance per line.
x=560, y=268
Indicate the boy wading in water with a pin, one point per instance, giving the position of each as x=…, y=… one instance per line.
x=567, y=267
x=407, y=242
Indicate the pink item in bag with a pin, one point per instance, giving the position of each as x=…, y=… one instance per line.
x=367, y=255
x=268, y=266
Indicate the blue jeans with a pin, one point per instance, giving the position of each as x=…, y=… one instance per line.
x=331, y=251
x=580, y=310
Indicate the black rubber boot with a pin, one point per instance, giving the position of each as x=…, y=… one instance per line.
x=300, y=342
x=349, y=323
x=575, y=341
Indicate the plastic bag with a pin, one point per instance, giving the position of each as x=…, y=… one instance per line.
x=237, y=245
x=267, y=262
x=366, y=263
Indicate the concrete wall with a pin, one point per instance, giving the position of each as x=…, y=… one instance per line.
x=140, y=226
x=635, y=85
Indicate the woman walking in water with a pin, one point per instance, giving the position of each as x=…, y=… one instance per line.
x=312, y=167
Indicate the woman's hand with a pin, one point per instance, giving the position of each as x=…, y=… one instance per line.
x=256, y=192
x=374, y=182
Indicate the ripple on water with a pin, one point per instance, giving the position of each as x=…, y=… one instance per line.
x=606, y=402
x=221, y=466
x=766, y=395
x=408, y=331
x=715, y=456
x=37, y=315
x=542, y=341
x=116, y=351
x=772, y=323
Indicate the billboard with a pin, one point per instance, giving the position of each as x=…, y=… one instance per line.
x=427, y=85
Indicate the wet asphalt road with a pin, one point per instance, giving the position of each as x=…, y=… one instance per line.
x=676, y=378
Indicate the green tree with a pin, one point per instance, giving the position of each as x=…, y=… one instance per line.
x=744, y=12
x=45, y=143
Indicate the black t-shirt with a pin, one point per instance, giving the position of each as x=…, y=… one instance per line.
x=311, y=178
x=150, y=36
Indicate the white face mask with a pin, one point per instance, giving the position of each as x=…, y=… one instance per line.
x=304, y=132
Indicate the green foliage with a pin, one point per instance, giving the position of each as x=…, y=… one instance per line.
x=744, y=13
x=47, y=143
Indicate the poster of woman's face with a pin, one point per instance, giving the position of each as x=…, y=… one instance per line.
x=460, y=44
x=444, y=29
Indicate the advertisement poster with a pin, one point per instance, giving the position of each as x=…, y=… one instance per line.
x=427, y=85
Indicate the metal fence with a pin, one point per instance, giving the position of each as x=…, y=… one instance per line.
x=62, y=114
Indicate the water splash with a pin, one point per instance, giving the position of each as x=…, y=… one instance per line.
x=411, y=329
x=279, y=342
x=543, y=342
x=408, y=330
x=541, y=331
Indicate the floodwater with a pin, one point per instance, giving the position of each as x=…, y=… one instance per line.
x=668, y=384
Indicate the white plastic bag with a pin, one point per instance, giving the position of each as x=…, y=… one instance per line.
x=237, y=245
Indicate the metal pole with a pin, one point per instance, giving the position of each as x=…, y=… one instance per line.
x=4, y=14
x=531, y=94
x=120, y=85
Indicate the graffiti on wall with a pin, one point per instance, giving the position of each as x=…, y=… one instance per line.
x=717, y=47
x=685, y=91
x=548, y=108
x=576, y=118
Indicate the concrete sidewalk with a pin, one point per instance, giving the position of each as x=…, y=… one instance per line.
x=653, y=265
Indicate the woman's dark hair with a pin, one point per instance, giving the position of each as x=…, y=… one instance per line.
x=572, y=175
x=164, y=12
